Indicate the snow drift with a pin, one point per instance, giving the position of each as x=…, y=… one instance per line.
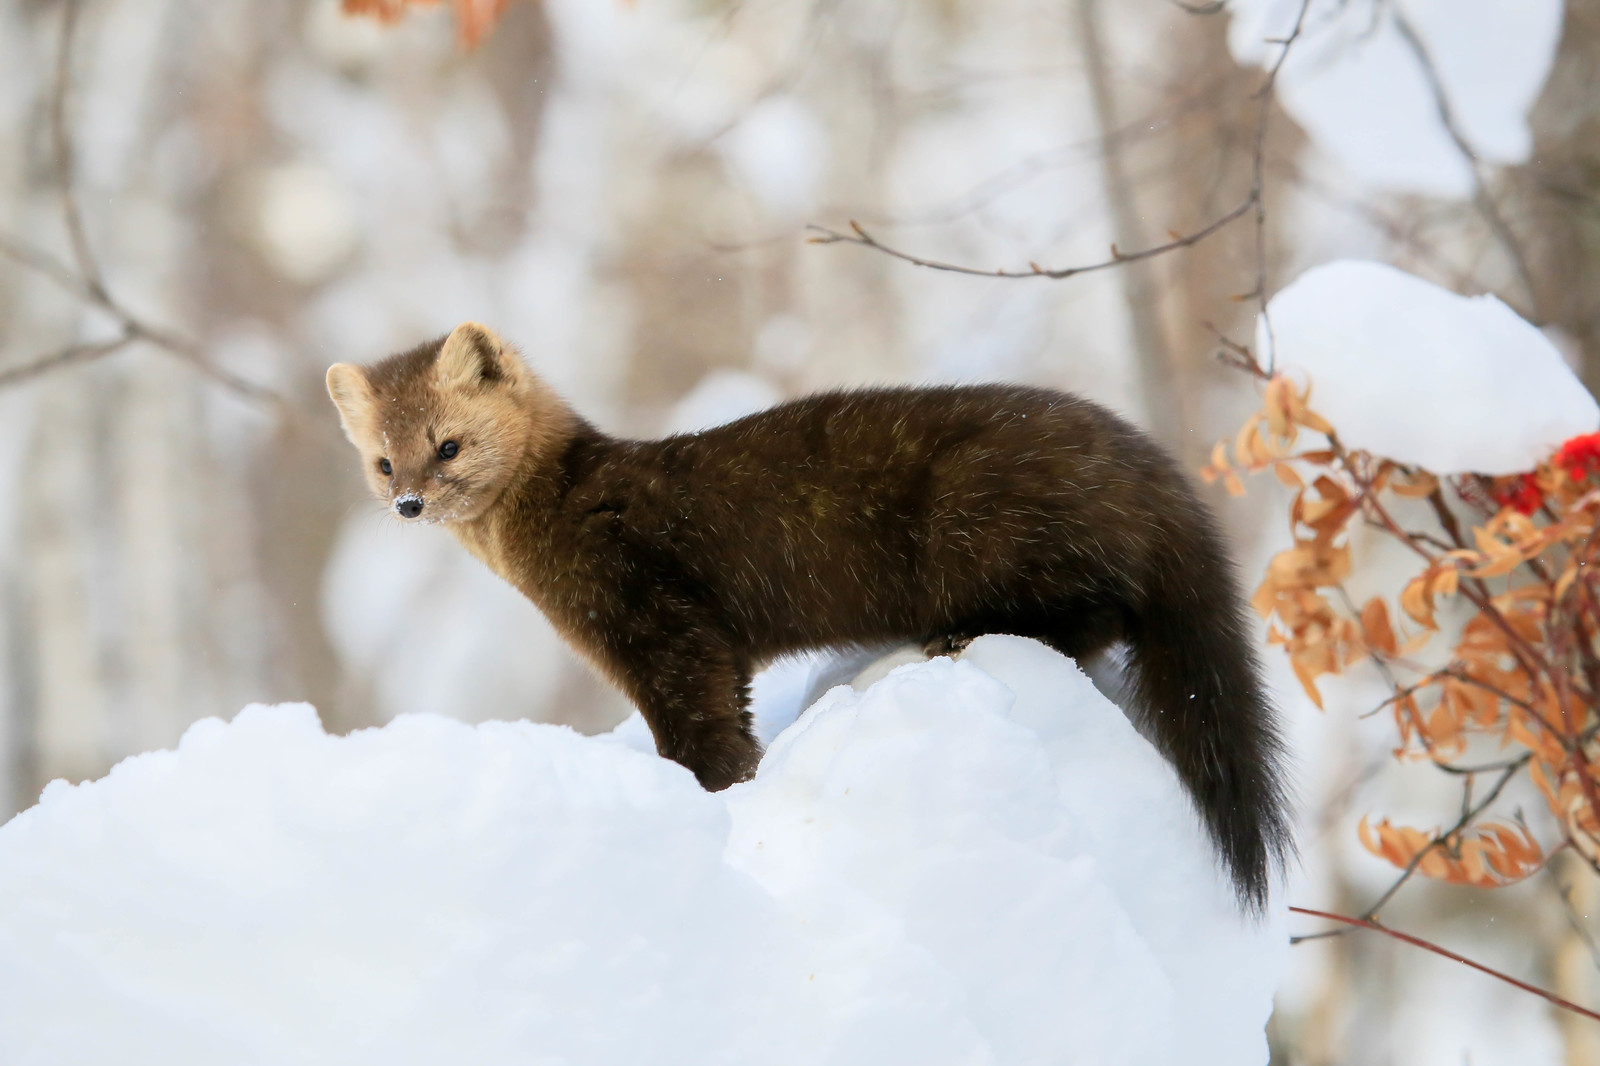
x=969, y=862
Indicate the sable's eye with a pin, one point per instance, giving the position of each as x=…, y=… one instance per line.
x=383, y=464
x=449, y=449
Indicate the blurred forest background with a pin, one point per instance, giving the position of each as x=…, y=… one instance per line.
x=204, y=204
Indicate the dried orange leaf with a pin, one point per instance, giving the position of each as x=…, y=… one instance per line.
x=1308, y=681
x=1315, y=422
x=1503, y=563
x=1277, y=403
x=1377, y=630
x=1219, y=456
x=1417, y=485
x=1242, y=443
x=1446, y=582
x=1417, y=600
x=1563, y=583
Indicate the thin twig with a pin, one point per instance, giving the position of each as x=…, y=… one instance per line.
x=1254, y=201
x=1400, y=694
x=1035, y=164
x=134, y=329
x=1452, y=528
x=1415, y=941
x=1443, y=839
x=1258, y=179
x=1526, y=657
x=1373, y=657
x=1446, y=517
x=192, y=354
x=1485, y=202
x=860, y=236
x=1439, y=840
x=1140, y=298
x=41, y=262
x=1403, y=233
x=65, y=157
x=71, y=355
x=1237, y=356
x=1588, y=661
x=1468, y=679
x=85, y=281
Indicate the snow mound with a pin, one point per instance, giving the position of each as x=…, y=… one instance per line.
x=974, y=862
x=1358, y=88
x=1409, y=370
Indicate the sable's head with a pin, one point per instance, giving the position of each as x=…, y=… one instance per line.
x=442, y=428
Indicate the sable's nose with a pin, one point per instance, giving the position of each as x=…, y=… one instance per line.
x=409, y=506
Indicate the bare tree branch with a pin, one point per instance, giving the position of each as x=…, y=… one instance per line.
x=1254, y=201
x=71, y=355
x=41, y=262
x=85, y=281
x=1401, y=232
x=862, y=237
x=1140, y=298
x=1441, y=839
x=195, y=356
x=1485, y=202
x=134, y=329
x=1035, y=164
x=65, y=157
x=1258, y=177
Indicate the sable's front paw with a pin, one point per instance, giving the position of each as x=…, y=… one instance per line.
x=730, y=768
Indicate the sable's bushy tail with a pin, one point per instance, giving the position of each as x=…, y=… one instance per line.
x=1198, y=684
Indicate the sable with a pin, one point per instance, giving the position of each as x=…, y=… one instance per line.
x=680, y=566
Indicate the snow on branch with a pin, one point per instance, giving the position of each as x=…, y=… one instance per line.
x=84, y=278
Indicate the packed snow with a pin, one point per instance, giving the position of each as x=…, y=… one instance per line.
x=974, y=861
x=1358, y=88
x=1406, y=369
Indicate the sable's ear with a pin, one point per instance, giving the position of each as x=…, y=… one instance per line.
x=472, y=355
x=347, y=384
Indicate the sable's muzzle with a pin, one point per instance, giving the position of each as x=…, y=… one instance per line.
x=409, y=505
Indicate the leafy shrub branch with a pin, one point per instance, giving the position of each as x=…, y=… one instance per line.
x=1522, y=674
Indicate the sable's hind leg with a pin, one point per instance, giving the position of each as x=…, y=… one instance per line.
x=945, y=644
x=1081, y=634
x=1075, y=629
x=697, y=705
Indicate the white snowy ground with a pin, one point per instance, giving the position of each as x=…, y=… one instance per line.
x=967, y=862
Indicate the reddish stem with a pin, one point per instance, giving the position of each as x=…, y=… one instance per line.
x=1368, y=923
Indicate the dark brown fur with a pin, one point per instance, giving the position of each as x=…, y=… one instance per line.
x=680, y=566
